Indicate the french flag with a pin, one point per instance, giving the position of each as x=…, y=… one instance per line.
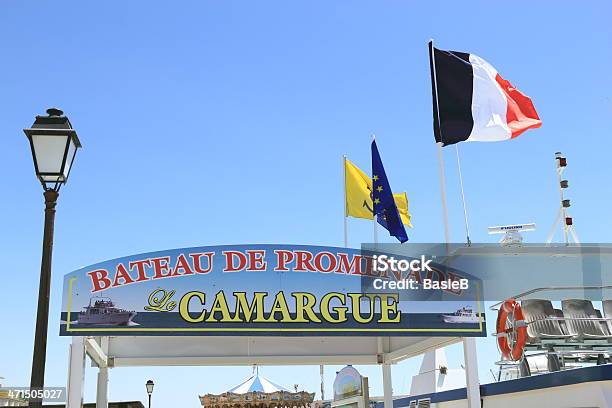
x=472, y=102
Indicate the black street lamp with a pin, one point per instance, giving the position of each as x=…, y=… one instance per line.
x=54, y=144
x=149, y=386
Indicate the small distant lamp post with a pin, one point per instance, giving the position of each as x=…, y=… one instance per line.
x=150, y=385
x=54, y=144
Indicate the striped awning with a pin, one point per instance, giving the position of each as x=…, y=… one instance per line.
x=257, y=383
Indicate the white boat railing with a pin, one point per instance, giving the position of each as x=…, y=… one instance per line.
x=548, y=289
x=577, y=335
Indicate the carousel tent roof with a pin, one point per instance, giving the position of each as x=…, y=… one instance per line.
x=257, y=383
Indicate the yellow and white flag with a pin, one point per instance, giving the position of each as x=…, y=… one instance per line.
x=358, y=189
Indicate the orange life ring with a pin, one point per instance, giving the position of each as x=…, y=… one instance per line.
x=511, y=330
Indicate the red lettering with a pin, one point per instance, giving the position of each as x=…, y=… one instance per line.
x=331, y=262
x=99, y=279
x=415, y=276
x=182, y=264
x=122, y=273
x=367, y=269
x=160, y=265
x=348, y=267
x=140, y=267
x=440, y=275
x=197, y=265
x=304, y=261
x=396, y=272
x=256, y=260
x=230, y=256
x=283, y=257
x=454, y=277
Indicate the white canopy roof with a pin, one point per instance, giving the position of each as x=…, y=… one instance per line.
x=257, y=383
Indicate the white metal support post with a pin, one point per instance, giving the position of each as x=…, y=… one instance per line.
x=76, y=373
x=472, y=382
x=102, y=388
x=102, y=385
x=387, y=385
x=321, y=368
x=382, y=357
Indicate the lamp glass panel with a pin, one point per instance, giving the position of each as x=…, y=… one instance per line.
x=49, y=153
x=69, y=157
x=52, y=178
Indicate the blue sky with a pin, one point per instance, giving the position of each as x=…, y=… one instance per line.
x=225, y=122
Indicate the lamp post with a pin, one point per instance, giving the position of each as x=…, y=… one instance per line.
x=149, y=386
x=54, y=144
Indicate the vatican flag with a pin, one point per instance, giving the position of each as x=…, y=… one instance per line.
x=401, y=202
x=358, y=187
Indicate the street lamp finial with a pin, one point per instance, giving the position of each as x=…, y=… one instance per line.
x=55, y=112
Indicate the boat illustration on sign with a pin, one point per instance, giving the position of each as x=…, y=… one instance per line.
x=463, y=315
x=103, y=311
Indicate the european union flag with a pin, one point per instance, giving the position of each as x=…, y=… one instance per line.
x=385, y=209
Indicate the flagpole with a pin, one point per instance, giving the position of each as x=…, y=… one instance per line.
x=469, y=343
x=375, y=231
x=443, y=193
x=344, y=211
x=432, y=66
x=465, y=213
x=375, y=228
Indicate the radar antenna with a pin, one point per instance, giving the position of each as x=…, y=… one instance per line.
x=512, y=236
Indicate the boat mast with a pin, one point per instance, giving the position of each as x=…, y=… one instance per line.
x=562, y=215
